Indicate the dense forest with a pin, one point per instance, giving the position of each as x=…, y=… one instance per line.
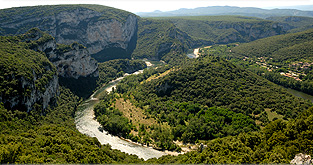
x=20, y=64
x=213, y=81
x=225, y=29
x=201, y=100
x=168, y=44
x=278, y=142
x=113, y=69
x=277, y=56
x=53, y=138
x=294, y=23
x=224, y=105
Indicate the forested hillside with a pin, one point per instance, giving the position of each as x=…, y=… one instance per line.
x=213, y=81
x=44, y=131
x=161, y=40
x=113, y=69
x=226, y=29
x=277, y=143
x=292, y=47
x=182, y=97
x=26, y=75
x=294, y=24
x=27, y=138
x=284, y=59
x=220, y=106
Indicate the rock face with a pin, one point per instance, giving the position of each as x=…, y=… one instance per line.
x=101, y=33
x=71, y=61
x=302, y=159
x=35, y=94
x=75, y=63
x=27, y=76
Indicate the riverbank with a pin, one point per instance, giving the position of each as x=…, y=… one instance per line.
x=86, y=124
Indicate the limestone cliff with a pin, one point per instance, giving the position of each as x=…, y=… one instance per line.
x=107, y=33
x=245, y=32
x=27, y=77
x=44, y=94
x=71, y=61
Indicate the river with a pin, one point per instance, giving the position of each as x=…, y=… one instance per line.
x=86, y=124
x=300, y=94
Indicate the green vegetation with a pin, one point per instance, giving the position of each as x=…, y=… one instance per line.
x=283, y=48
x=113, y=69
x=62, y=48
x=110, y=118
x=225, y=29
x=239, y=115
x=293, y=23
x=181, y=97
x=212, y=81
x=9, y=15
x=280, y=57
x=22, y=65
x=33, y=138
x=160, y=40
x=278, y=142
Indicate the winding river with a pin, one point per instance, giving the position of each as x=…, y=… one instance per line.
x=300, y=94
x=86, y=124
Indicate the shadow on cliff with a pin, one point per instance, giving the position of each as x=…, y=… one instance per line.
x=82, y=87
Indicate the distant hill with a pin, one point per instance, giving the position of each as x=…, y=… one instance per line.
x=161, y=40
x=225, y=29
x=293, y=23
x=282, y=48
x=299, y=7
x=285, y=59
x=212, y=81
x=229, y=10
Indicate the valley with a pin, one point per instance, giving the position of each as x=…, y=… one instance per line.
x=92, y=84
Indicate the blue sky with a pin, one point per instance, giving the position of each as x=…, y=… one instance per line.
x=163, y=5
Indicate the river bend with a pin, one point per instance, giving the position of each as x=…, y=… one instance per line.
x=86, y=124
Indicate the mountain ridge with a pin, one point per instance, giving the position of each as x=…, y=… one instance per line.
x=229, y=10
x=107, y=33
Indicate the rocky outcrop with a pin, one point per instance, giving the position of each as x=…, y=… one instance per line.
x=246, y=32
x=71, y=61
x=41, y=83
x=100, y=31
x=27, y=76
x=302, y=159
x=44, y=95
x=75, y=63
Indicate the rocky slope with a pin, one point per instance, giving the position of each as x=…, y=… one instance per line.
x=226, y=29
x=107, y=33
x=31, y=64
x=293, y=24
x=71, y=61
x=27, y=77
x=161, y=40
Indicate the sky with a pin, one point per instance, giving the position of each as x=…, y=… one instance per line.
x=136, y=6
